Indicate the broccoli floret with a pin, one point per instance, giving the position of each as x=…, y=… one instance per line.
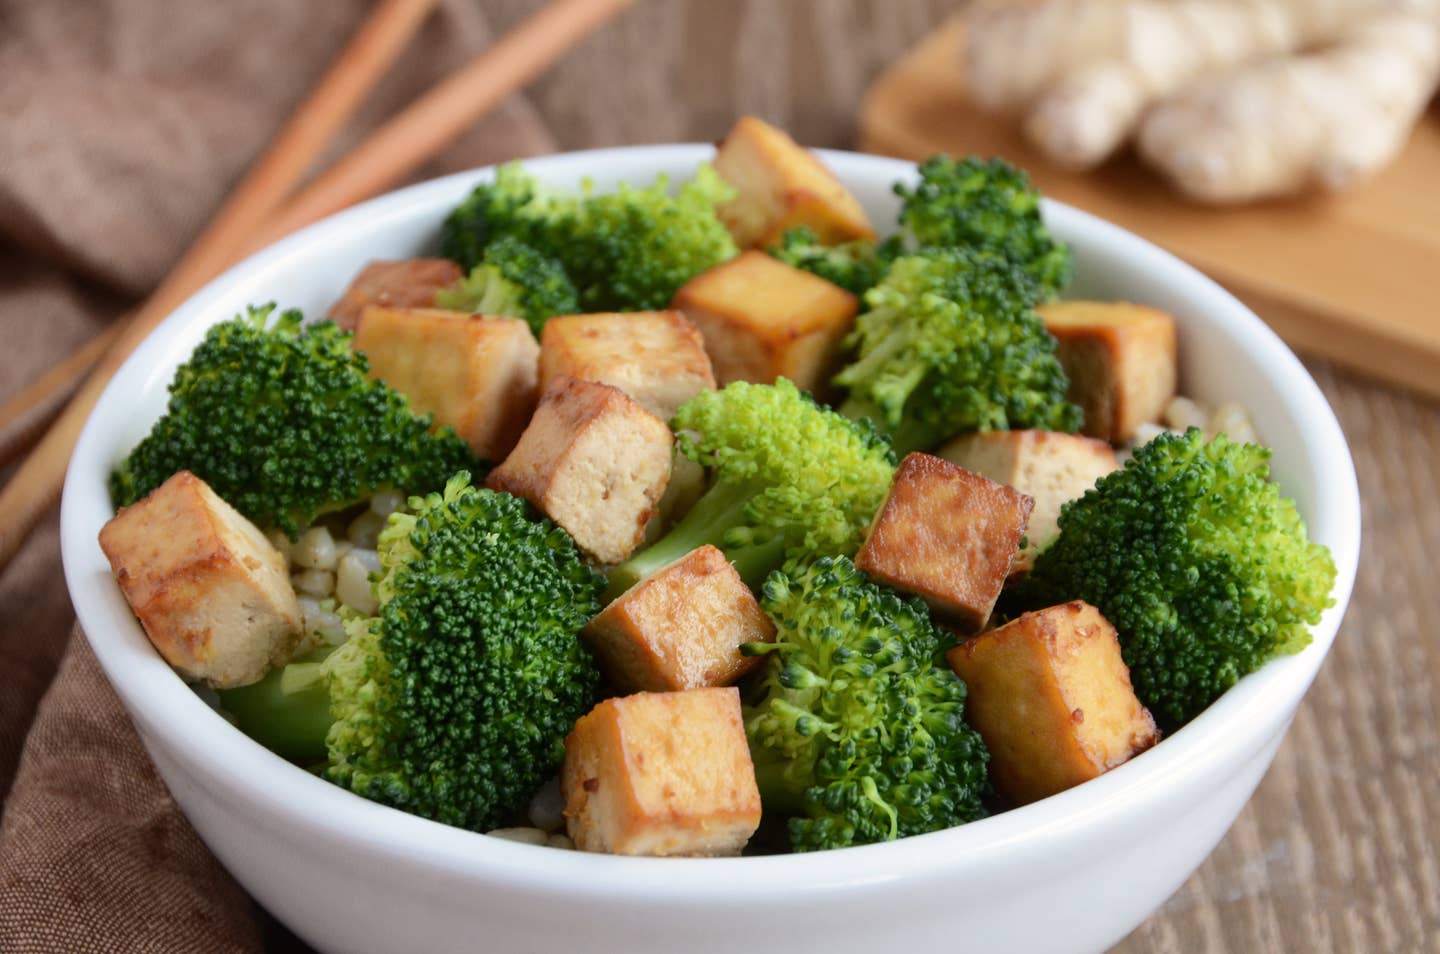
x=790, y=480
x=632, y=249
x=627, y=250
x=987, y=206
x=283, y=422
x=516, y=280
x=514, y=205
x=856, y=723
x=949, y=343
x=855, y=266
x=1204, y=569
x=454, y=700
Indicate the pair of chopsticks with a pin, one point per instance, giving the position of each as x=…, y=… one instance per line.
x=256, y=213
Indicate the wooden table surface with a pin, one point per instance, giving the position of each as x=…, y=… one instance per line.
x=1340, y=848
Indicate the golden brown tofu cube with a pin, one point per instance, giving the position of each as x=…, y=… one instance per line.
x=656, y=357
x=476, y=373
x=680, y=628
x=1120, y=359
x=948, y=536
x=763, y=319
x=1051, y=696
x=661, y=773
x=212, y=593
x=781, y=185
x=408, y=283
x=1050, y=467
x=595, y=462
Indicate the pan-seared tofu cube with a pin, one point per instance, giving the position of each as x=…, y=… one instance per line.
x=656, y=357
x=782, y=185
x=408, y=283
x=1120, y=359
x=947, y=535
x=1051, y=696
x=595, y=462
x=763, y=319
x=1052, y=468
x=212, y=593
x=681, y=627
x=661, y=773
x=473, y=372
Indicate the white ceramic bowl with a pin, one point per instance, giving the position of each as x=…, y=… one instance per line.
x=1074, y=872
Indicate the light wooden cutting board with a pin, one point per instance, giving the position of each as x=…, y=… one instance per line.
x=1354, y=278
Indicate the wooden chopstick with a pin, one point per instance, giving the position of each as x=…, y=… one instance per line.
x=398, y=147
x=373, y=49
x=444, y=112
x=417, y=134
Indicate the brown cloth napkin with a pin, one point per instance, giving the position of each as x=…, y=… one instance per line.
x=123, y=123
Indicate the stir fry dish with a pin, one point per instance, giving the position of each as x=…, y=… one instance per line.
x=700, y=519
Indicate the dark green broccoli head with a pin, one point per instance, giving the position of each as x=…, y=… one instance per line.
x=949, y=343
x=632, y=249
x=855, y=266
x=454, y=702
x=516, y=280
x=790, y=480
x=282, y=421
x=986, y=205
x=513, y=205
x=1204, y=569
x=855, y=722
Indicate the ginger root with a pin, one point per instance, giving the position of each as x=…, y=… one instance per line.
x=1016, y=52
x=1084, y=71
x=1089, y=113
x=1234, y=99
x=1325, y=119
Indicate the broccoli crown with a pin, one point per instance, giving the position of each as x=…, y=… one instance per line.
x=1204, y=569
x=516, y=280
x=512, y=205
x=855, y=266
x=632, y=249
x=950, y=343
x=986, y=205
x=283, y=422
x=855, y=722
x=627, y=250
x=454, y=701
x=790, y=480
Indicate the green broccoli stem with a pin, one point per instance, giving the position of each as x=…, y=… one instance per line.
x=859, y=409
x=778, y=793
x=500, y=296
x=721, y=509
x=882, y=353
x=288, y=711
x=913, y=435
x=909, y=435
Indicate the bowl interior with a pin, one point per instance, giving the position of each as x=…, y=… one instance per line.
x=1226, y=354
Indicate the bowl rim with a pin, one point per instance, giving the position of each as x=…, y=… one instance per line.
x=263, y=784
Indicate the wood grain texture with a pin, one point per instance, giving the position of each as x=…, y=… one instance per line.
x=1342, y=277
x=1337, y=851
